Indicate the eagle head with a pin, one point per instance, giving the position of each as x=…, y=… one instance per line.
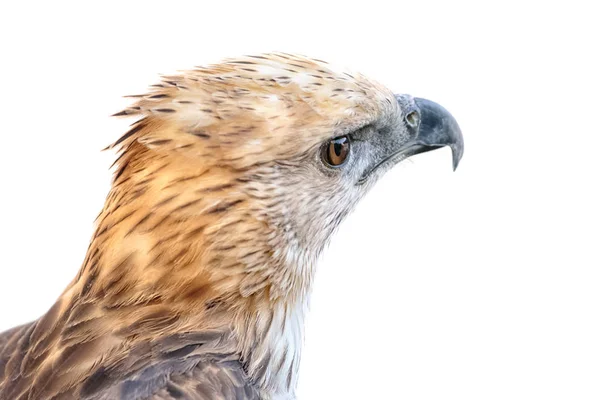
x=246, y=168
x=227, y=187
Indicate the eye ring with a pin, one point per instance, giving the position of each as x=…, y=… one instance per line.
x=336, y=151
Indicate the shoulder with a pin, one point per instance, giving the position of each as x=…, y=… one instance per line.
x=187, y=366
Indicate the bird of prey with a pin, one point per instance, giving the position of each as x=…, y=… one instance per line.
x=227, y=187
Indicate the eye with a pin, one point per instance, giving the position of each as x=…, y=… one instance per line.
x=336, y=151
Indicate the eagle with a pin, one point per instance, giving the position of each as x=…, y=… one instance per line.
x=227, y=187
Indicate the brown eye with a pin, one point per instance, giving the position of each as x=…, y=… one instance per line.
x=337, y=151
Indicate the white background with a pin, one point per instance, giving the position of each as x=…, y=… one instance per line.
x=478, y=284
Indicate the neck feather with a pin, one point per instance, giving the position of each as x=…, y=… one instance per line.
x=162, y=263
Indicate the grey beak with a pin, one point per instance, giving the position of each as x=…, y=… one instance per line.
x=437, y=128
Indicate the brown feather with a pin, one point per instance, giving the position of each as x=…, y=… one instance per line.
x=195, y=272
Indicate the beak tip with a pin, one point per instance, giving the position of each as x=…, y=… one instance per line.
x=457, y=153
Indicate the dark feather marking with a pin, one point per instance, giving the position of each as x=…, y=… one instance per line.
x=88, y=257
x=195, y=232
x=226, y=248
x=243, y=240
x=165, y=165
x=136, y=128
x=24, y=344
x=125, y=261
x=188, y=338
x=224, y=207
x=159, y=142
x=118, y=175
x=212, y=303
x=137, y=225
x=164, y=110
x=164, y=240
x=289, y=377
x=174, y=392
x=200, y=134
x=251, y=230
x=214, y=188
x=95, y=382
x=187, y=178
x=122, y=181
x=186, y=205
x=194, y=292
x=182, y=351
x=158, y=96
x=176, y=256
x=251, y=253
x=283, y=357
x=89, y=282
x=157, y=224
x=154, y=322
x=166, y=201
x=123, y=218
x=143, y=182
x=116, y=278
x=137, y=194
x=80, y=314
x=156, y=258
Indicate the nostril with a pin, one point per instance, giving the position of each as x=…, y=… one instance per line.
x=412, y=119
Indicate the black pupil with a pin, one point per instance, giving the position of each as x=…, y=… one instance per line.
x=337, y=150
x=337, y=147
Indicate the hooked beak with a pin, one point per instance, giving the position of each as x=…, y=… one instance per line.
x=430, y=126
x=437, y=128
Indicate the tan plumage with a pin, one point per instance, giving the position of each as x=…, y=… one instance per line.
x=197, y=277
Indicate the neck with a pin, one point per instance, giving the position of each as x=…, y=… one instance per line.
x=159, y=266
x=270, y=345
x=266, y=334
